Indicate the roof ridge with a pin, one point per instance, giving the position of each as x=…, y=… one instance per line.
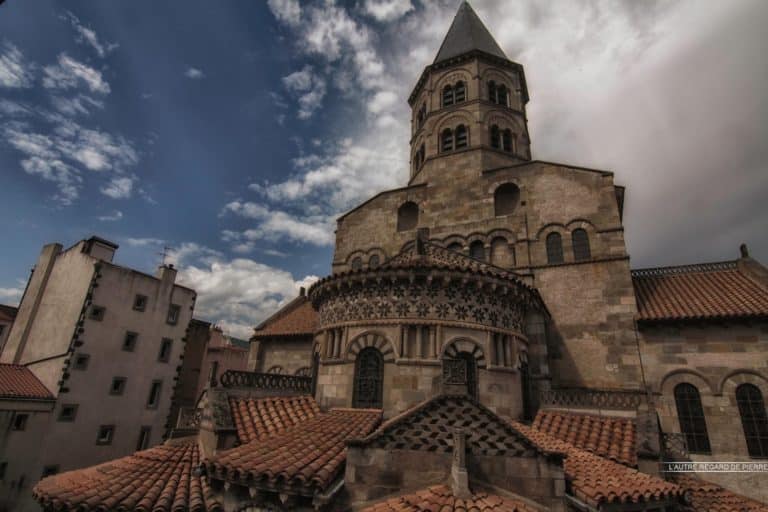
x=287, y=308
x=715, y=266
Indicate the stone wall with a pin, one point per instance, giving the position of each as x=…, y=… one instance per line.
x=288, y=353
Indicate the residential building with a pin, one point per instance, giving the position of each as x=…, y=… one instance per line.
x=7, y=315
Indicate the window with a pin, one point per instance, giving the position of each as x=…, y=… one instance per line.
x=129, y=342
x=3, y=469
x=456, y=246
x=154, y=394
x=118, y=386
x=106, y=433
x=495, y=137
x=477, y=250
x=505, y=199
x=144, y=435
x=50, y=470
x=554, y=248
x=20, y=421
x=502, y=255
x=446, y=140
x=369, y=376
x=374, y=262
x=140, y=302
x=580, y=240
x=407, y=216
x=357, y=263
x=277, y=370
x=213, y=374
x=461, y=136
x=165, y=350
x=492, y=91
x=421, y=116
x=304, y=371
x=173, y=314
x=753, y=419
x=501, y=95
x=459, y=92
x=447, y=96
x=690, y=413
x=97, y=313
x=81, y=361
x=2, y=328
x=68, y=412
x=506, y=140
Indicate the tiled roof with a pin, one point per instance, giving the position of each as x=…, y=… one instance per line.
x=295, y=319
x=303, y=459
x=440, y=498
x=706, y=291
x=159, y=479
x=258, y=418
x=596, y=480
x=614, y=438
x=708, y=497
x=19, y=382
x=467, y=33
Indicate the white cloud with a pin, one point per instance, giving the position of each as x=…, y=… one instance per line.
x=118, y=188
x=383, y=101
x=388, y=10
x=143, y=242
x=194, y=74
x=88, y=36
x=78, y=105
x=277, y=225
x=15, y=73
x=287, y=11
x=64, y=176
x=12, y=295
x=114, y=216
x=299, y=80
x=68, y=73
x=309, y=88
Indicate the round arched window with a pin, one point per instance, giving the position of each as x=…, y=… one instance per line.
x=407, y=216
x=505, y=199
x=373, y=262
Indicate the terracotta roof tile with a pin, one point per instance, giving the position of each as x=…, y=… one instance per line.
x=19, y=382
x=159, y=479
x=596, y=480
x=706, y=291
x=611, y=437
x=440, y=498
x=258, y=418
x=306, y=458
x=295, y=319
x=708, y=497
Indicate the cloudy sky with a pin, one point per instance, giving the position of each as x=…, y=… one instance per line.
x=235, y=132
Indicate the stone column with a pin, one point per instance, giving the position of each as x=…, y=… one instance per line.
x=459, y=475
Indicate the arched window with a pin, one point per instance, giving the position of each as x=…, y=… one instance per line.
x=514, y=144
x=505, y=199
x=554, y=248
x=459, y=92
x=446, y=140
x=422, y=115
x=304, y=371
x=422, y=153
x=373, y=262
x=447, y=96
x=477, y=250
x=407, y=216
x=495, y=137
x=277, y=370
x=357, y=263
x=501, y=254
x=690, y=413
x=506, y=140
x=753, y=419
x=492, y=91
x=501, y=95
x=461, y=136
x=456, y=246
x=369, y=377
x=580, y=240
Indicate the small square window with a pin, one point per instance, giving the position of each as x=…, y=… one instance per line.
x=118, y=386
x=106, y=433
x=165, y=350
x=81, y=361
x=144, y=435
x=173, y=314
x=20, y=421
x=129, y=343
x=50, y=470
x=97, y=313
x=68, y=412
x=140, y=302
x=154, y=394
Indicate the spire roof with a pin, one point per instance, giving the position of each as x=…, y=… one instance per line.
x=467, y=33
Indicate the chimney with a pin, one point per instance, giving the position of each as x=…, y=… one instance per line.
x=459, y=475
x=100, y=248
x=166, y=273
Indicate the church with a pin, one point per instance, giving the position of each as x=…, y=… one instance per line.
x=482, y=343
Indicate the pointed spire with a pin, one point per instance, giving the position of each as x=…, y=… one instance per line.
x=467, y=33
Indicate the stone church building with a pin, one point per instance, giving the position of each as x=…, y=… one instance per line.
x=482, y=343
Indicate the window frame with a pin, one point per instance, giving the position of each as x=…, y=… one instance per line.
x=137, y=306
x=122, y=381
x=459, y=86
x=165, y=342
x=752, y=408
x=130, y=347
x=77, y=365
x=378, y=380
x=143, y=442
x=581, y=247
x=156, y=403
x=446, y=140
x=173, y=319
x=96, y=313
x=692, y=419
x=100, y=441
x=24, y=417
x=555, y=254
x=70, y=418
x=461, y=136
x=447, y=98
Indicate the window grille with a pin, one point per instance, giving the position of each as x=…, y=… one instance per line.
x=369, y=376
x=446, y=140
x=461, y=137
x=459, y=92
x=554, y=248
x=753, y=419
x=580, y=240
x=690, y=413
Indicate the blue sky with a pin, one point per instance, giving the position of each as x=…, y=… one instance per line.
x=235, y=132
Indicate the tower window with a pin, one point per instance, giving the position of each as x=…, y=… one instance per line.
x=369, y=377
x=461, y=136
x=505, y=199
x=447, y=96
x=492, y=91
x=477, y=250
x=446, y=140
x=506, y=140
x=753, y=419
x=373, y=261
x=495, y=137
x=459, y=92
x=501, y=95
x=554, y=248
x=690, y=413
x=357, y=263
x=421, y=116
x=407, y=216
x=580, y=240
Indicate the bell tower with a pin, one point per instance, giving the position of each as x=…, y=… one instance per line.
x=468, y=107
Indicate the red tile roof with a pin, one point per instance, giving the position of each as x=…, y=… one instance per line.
x=596, y=480
x=18, y=382
x=258, y=418
x=297, y=318
x=305, y=459
x=705, y=291
x=611, y=437
x=708, y=497
x=440, y=498
x=159, y=479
